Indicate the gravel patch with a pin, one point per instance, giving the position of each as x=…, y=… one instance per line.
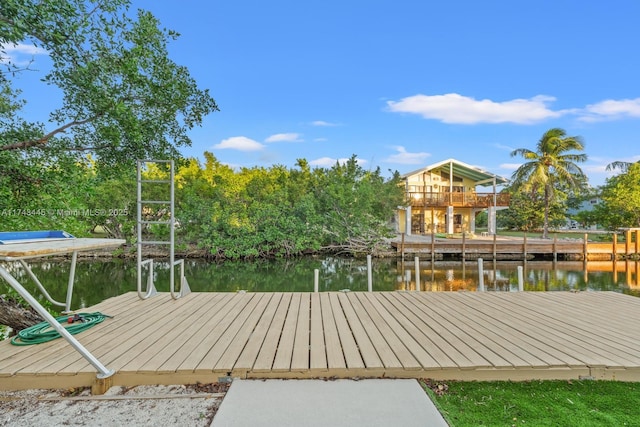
x=175, y=405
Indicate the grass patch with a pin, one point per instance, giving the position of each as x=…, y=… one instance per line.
x=537, y=403
x=579, y=235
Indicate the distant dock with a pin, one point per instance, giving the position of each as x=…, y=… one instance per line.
x=511, y=248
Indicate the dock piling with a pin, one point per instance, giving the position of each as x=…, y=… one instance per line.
x=369, y=275
x=417, y=267
x=520, y=278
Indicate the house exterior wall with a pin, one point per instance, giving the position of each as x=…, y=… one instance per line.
x=442, y=201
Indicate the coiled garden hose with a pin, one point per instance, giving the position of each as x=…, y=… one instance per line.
x=43, y=332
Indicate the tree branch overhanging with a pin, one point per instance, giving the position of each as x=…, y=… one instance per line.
x=45, y=138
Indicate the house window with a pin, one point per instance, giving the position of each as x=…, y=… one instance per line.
x=445, y=177
x=454, y=189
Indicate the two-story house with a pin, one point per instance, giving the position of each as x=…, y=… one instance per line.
x=443, y=198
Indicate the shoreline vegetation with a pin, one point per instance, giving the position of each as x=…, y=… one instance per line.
x=383, y=250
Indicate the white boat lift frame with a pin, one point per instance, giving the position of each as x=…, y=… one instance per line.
x=46, y=247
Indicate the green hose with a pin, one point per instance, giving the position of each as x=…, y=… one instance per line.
x=44, y=332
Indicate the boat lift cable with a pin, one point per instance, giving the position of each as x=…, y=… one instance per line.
x=43, y=332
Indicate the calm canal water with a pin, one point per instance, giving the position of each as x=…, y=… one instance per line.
x=99, y=280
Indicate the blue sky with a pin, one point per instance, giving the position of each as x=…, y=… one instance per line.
x=404, y=84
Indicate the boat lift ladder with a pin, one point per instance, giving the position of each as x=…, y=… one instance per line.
x=144, y=205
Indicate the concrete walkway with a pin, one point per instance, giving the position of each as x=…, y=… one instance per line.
x=336, y=403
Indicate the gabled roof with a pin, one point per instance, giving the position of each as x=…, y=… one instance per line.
x=479, y=176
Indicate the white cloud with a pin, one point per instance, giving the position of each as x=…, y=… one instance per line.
x=322, y=123
x=510, y=166
x=15, y=53
x=405, y=158
x=503, y=147
x=611, y=109
x=455, y=108
x=329, y=161
x=320, y=139
x=240, y=143
x=284, y=137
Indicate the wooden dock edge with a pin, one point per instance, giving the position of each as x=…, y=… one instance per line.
x=132, y=379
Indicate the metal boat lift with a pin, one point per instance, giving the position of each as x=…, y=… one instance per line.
x=25, y=245
x=146, y=202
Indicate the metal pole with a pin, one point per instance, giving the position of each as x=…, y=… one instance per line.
x=72, y=276
x=464, y=246
x=172, y=228
x=139, y=227
x=35, y=279
x=520, y=278
x=480, y=275
x=103, y=371
x=316, y=280
x=417, y=267
x=369, y=274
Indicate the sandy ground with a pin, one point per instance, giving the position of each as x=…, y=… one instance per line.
x=179, y=405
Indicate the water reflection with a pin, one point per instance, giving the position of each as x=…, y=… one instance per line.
x=619, y=276
x=99, y=280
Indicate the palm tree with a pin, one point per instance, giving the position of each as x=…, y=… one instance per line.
x=623, y=166
x=552, y=164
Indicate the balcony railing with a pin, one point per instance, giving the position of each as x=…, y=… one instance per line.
x=464, y=200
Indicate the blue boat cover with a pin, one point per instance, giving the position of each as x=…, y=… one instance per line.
x=7, y=237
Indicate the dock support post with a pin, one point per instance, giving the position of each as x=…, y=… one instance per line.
x=480, y=275
x=555, y=248
x=316, y=280
x=585, y=249
x=524, y=246
x=627, y=242
x=495, y=250
x=407, y=280
x=101, y=385
x=433, y=240
x=464, y=246
x=417, y=267
x=614, y=255
x=520, y=278
x=369, y=274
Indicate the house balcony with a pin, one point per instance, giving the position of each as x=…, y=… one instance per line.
x=458, y=200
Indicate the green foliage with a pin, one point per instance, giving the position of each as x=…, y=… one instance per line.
x=258, y=212
x=111, y=204
x=526, y=212
x=253, y=212
x=540, y=403
x=552, y=170
x=38, y=193
x=122, y=97
x=356, y=207
x=482, y=219
x=620, y=200
x=586, y=218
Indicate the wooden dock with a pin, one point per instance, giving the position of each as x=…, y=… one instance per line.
x=493, y=247
x=456, y=335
